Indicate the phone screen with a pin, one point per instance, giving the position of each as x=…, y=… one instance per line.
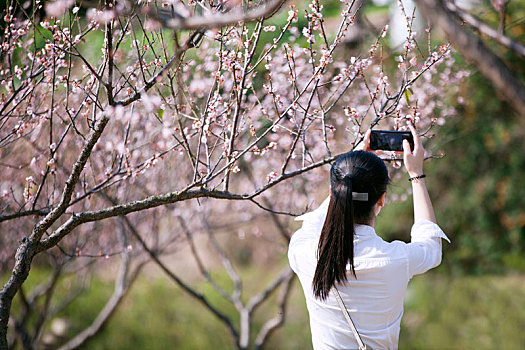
x=387, y=140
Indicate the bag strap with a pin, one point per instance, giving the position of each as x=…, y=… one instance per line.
x=362, y=345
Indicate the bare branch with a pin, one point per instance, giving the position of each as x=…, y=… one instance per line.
x=237, y=289
x=21, y=214
x=214, y=20
x=272, y=324
x=202, y=268
x=496, y=35
x=268, y=209
x=257, y=299
x=124, y=209
x=473, y=48
x=44, y=310
x=122, y=285
x=196, y=295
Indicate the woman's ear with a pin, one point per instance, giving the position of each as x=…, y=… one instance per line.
x=380, y=203
x=382, y=199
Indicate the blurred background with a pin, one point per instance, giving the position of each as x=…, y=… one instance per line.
x=474, y=300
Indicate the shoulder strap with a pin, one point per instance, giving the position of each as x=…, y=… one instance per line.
x=362, y=345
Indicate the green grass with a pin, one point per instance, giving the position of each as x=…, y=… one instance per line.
x=441, y=312
x=485, y=312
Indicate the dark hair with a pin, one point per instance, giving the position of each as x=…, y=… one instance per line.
x=356, y=171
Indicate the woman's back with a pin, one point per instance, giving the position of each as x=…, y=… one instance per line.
x=337, y=247
x=375, y=299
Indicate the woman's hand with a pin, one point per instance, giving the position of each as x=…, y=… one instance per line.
x=413, y=159
x=365, y=145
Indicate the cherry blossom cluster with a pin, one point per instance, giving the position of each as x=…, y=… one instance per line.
x=238, y=110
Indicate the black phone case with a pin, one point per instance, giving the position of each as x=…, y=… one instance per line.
x=387, y=140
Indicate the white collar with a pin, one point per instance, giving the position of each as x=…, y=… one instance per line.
x=315, y=219
x=364, y=230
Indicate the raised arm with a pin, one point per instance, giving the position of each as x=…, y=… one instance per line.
x=414, y=165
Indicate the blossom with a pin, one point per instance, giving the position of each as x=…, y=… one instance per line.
x=272, y=175
x=151, y=102
x=292, y=16
x=58, y=7
x=100, y=17
x=351, y=112
x=384, y=31
x=307, y=33
x=179, y=131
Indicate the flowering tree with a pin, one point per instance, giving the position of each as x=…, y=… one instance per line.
x=176, y=107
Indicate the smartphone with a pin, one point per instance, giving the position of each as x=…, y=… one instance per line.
x=387, y=140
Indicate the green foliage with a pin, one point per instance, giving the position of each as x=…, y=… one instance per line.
x=440, y=313
x=477, y=189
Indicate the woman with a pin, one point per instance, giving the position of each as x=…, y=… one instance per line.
x=338, y=247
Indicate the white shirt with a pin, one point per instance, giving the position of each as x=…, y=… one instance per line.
x=375, y=299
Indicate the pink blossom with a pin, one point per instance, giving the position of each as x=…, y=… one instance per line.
x=58, y=7
x=100, y=17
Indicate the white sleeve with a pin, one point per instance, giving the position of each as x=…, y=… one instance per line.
x=302, y=250
x=299, y=239
x=424, y=249
x=303, y=244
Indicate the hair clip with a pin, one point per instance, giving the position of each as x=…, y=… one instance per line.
x=356, y=196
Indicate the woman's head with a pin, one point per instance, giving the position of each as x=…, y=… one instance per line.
x=358, y=179
x=363, y=172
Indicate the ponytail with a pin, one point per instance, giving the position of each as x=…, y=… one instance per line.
x=336, y=244
x=362, y=172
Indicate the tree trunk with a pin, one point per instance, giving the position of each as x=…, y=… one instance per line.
x=23, y=257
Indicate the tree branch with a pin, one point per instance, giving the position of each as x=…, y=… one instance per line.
x=199, y=297
x=122, y=285
x=20, y=214
x=496, y=35
x=204, y=272
x=272, y=324
x=28, y=246
x=46, y=222
x=257, y=299
x=214, y=20
x=473, y=49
